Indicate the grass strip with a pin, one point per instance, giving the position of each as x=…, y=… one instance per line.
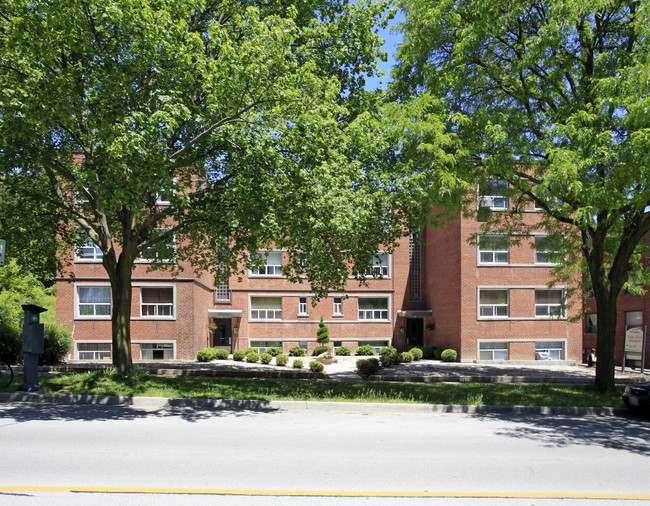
x=142, y=383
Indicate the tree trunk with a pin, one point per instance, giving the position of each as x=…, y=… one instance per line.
x=606, y=342
x=121, y=317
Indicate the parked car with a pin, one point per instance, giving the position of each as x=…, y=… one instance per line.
x=637, y=396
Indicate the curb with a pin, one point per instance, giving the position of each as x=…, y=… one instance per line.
x=251, y=405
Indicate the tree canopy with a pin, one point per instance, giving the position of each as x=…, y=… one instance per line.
x=221, y=126
x=550, y=97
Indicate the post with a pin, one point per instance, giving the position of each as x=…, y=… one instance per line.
x=33, y=344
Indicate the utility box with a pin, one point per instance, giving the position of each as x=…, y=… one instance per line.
x=33, y=345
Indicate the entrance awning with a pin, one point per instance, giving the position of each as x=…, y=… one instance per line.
x=224, y=313
x=415, y=312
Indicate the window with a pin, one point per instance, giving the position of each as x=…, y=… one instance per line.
x=380, y=266
x=493, y=351
x=591, y=323
x=89, y=251
x=94, y=301
x=338, y=306
x=634, y=319
x=266, y=308
x=493, y=195
x=302, y=305
x=373, y=308
x=163, y=251
x=157, y=301
x=493, y=249
x=549, y=303
x=493, y=303
x=272, y=265
x=549, y=350
x=546, y=250
x=94, y=351
x=157, y=351
x=262, y=346
x=415, y=267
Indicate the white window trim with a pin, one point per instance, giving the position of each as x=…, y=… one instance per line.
x=78, y=316
x=303, y=305
x=86, y=341
x=493, y=306
x=493, y=251
x=381, y=267
x=265, y=319
x=157, y=317
x=545, y=264
x=141, y=342
x=276, y=267
x=337, y=305
x=388, y=309
x=172, y=260
x=489, y=201
x=94, y=260
x=561, y=306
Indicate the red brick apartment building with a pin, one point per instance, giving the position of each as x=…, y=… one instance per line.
x=488, y=302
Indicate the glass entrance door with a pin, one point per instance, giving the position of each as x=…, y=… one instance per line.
x=222, y=335
x=414, y=333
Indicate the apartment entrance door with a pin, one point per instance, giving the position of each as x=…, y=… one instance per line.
x=414, y=333
x=222, y=335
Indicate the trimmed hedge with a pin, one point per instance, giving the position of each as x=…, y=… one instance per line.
x=365, y=350
x=448, y=355
x=316, y=366
x=239, y=355
x=252, y=356
x=343, y=351
x=206, y=355
x=266, y=358
x=417, y=353
x=274, y=352
x=281, y=360
x=297, y=364
x=367, y=367
x=296, y=351
x=319, y=350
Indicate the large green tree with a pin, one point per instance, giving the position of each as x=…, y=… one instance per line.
x=245, y=116
x=551, y=97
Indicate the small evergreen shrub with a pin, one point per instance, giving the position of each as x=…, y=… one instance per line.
x=266, y=358
x=365, y=350
x=343, y=351
x=322, y=334
x=239, y=355
x=387, y=350
x=274, y=352
x=222, y=354
x=296, y=351
x=297, y=364
x=319, y=350
x=206, y=355
x=385, y=360
x=252, y=356
x=438, y=353
x=429, y=352
x=417, y=353
x=448, y=355
x=281, y=360
x=316, y=366
x=406, y=357
x=367, y=367
x=56, y=344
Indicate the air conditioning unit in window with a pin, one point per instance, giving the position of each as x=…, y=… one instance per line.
x=486, y=202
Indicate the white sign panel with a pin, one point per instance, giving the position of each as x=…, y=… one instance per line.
x=634, y=343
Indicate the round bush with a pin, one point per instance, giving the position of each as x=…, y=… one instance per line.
x=252, y=356
x=316, y=366
x=239, y=355
x=281, y=360
x=448, y=355
x=274, y=352
x=365, y=350
x=266, y=358
x=56, y=344
x=319, y=350
x=406, y=357
x=297, y=364
x=367, y=367
x=388, y=350
x=343, y=351
x=417, y=353
x=384, y=360
x=222, y=354
x=206, y=355
x=429, y=352
x=296, y=351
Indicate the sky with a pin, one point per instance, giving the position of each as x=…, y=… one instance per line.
x=392, y=40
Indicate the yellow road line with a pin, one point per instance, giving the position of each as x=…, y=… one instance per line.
x=326, y=493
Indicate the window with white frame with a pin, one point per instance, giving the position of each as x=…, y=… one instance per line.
x=380, y=267
x=493, y=350
x=634, y=319
x=549, y=350
x=302, y=306
x=546, y=250
x=262, y=346
x=89, y=251
x=493, y=249
x=94, y=351
x=272, y=265
x=493, y=303
x=373, y=308
x=493, y=195
x=266, y=308
x=591, y=323
x=157, y=301
x=94, y=301
x=157, y=351
x=549, y=303
x=338, y=306
x=163, y=251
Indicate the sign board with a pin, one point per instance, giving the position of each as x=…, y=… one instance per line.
x=3, y=246
x=634, y=343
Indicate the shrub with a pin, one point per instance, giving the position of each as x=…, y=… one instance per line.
x=316, y=366
x=343, y=351
x=57, y=343
x=222, y=354
x=239, y=355
x=11, y=344
x=296, y=351
x=319, y=350
x=322, y=334
x=367, y=367
x=274, y=352
x=429, y=352
x=387, y=350
x=365, y=350
x=281, y=360
x=417, y=353
x=297, y=364
x=406, y=357
x=448, y=355
x=438, y=353
x=385, y=360
x=206, y=355
x=266, y=358
x=252, y=356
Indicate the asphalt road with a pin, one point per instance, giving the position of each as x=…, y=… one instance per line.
x=60, y=454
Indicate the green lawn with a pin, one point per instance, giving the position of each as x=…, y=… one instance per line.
x=146, y=384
